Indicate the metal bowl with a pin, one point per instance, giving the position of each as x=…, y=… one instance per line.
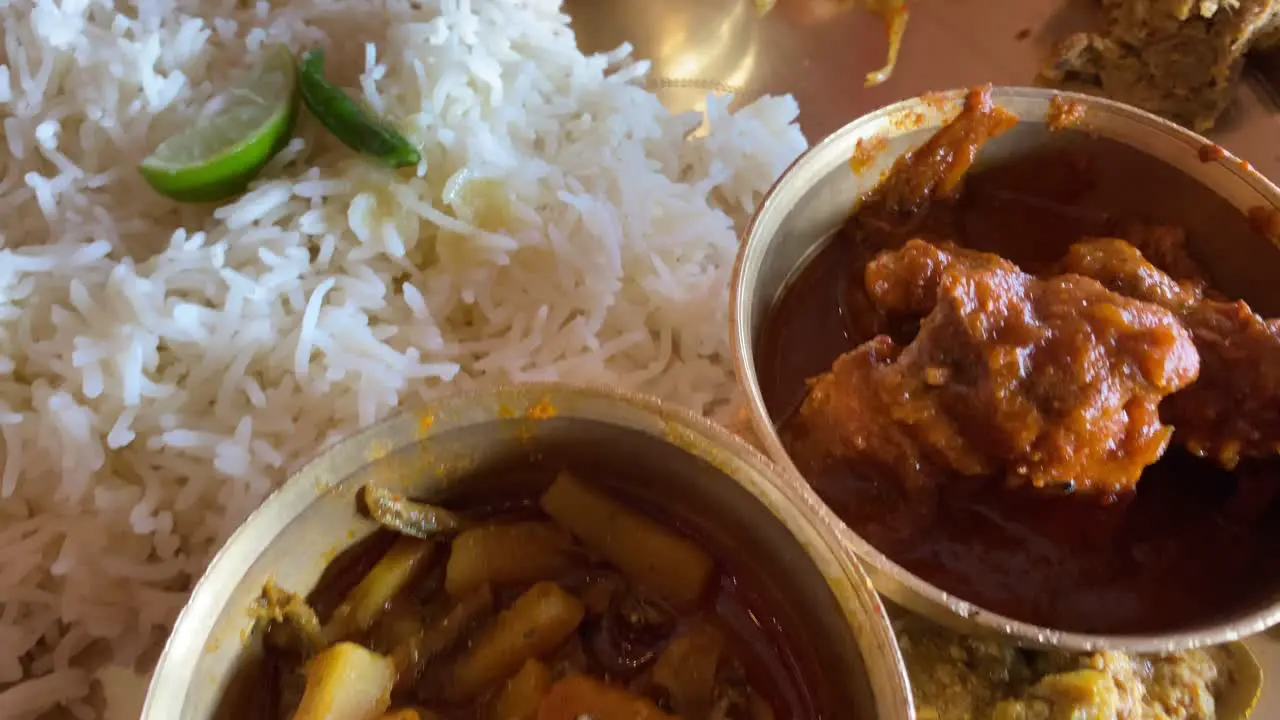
x=460, y=445
x=816, y=195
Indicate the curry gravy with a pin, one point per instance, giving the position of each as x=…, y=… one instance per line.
x=1194, y=542
x=758, y=630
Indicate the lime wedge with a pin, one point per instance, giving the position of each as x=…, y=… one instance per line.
x=216, y=158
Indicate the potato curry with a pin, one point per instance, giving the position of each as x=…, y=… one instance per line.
x=572, y=606
x=1035, y=404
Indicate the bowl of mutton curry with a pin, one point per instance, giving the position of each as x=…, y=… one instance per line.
x=1022, y=343
x=538, y=552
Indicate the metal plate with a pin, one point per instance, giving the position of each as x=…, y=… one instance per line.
x=712, y=45
x=723, y=45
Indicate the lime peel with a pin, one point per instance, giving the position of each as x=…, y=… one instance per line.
x=217, y=157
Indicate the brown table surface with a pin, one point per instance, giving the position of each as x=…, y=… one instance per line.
x=701, y=45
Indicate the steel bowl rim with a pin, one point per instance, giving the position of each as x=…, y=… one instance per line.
x=746, y=465
x=890, y=578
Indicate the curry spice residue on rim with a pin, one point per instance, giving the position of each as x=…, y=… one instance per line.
x=910, y=120
x=377, y=450
x=541, y=410
x=1265, y=221
x=865, y=153
x=936, y=100
x=1064, y=113
x=425, y=424
x=1210, y=152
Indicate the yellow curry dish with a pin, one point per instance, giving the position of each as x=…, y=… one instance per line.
x=960, y=677
x=570, y=606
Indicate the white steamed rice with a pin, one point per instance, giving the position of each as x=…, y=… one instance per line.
x=163, y=367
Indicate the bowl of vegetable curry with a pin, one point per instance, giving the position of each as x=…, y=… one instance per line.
x=534, y=553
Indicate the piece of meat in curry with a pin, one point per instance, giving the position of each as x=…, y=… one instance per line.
x=923, y=179
x=1193, y=541
x=1233, y=409
x=1051, y=382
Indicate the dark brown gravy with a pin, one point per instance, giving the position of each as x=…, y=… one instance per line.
x=1194, y=543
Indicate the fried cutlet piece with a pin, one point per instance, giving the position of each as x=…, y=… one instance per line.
x=1233, y=409
x=1053, y=383
x=1180, y=59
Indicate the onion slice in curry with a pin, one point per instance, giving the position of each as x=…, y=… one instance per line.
x=407, y=517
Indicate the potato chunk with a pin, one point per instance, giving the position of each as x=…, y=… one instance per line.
x=346, y=682
x=367, y=600
x=511, y=553
x=649, y=554
x=538, y=622
x=523, y=693
x=686, y=669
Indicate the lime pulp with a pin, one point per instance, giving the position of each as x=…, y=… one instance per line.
x=217, y=157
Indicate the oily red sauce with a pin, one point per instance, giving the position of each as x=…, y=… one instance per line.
x=1193, y=543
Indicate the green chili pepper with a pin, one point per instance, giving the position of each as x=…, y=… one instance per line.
x=357, y=128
